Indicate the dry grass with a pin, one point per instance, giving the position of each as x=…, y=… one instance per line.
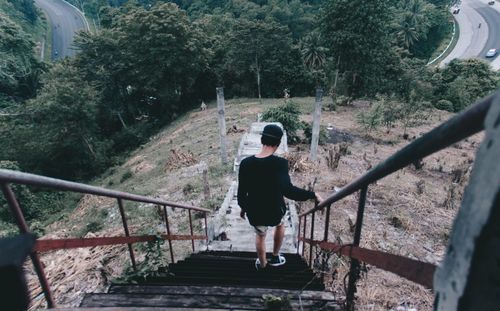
x=405, y=212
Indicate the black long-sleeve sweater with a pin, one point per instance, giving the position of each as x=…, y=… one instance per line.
x=262, y=184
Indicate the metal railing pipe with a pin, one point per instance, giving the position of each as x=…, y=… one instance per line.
x=23, y=228
x=8, y=176
x=167, y=225
x=127, y=233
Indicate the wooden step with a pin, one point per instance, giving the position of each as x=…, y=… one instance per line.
x=217, y=291
x=196, y=301
x=219, y=280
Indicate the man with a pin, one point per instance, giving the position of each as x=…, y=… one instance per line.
x=263, y=181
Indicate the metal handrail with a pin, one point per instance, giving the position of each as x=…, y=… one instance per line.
x=9, y=176
x=439, y=138
x=463, y=125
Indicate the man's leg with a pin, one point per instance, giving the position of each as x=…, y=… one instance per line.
x=260, y=246
x=279, y=234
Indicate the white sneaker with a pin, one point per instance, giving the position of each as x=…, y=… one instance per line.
x=277, y=260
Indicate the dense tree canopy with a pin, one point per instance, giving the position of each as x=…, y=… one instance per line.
x=358, y=33
x=151, y=60
x=19, y=68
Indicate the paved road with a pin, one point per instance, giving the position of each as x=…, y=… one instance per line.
x=65, y=22
x=492, y=18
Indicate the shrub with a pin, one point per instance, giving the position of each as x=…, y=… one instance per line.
x=343, y=100
x=323, y=134
x=288, y=115
x=126, y=176
x=444, y=104
x=35, y=203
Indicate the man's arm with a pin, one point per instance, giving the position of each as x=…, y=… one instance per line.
x=288, y=189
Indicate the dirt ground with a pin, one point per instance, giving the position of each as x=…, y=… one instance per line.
x=409, y=213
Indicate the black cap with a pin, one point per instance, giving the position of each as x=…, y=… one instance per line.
x=273, y=131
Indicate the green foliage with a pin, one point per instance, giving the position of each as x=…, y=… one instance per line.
x=323, y=134
x=463, y=82
x=36, y=204
x=444, y=104
x=59, y=128
x=359, y=35
x=27, y=7
x=126, y=176
x=388, y=111
x=272, y=302
x=288, y=115
x=153, y=265
x=19, y=69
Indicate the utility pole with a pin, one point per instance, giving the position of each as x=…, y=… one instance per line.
x=222, y=124
x=316, y=123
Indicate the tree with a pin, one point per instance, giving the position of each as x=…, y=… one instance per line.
x=464, y=81
x=314, y=56
x=358, y=33
x=19, y=68
x=145, y=65
x=59, y=131
x=27, y=7
x=262, y=48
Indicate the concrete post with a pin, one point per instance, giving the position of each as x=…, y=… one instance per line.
x=222, y=124
x=316, y=124
x=469, y=277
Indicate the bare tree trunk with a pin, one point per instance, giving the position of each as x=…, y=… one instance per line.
x=89, y=146
x=334, y=90
x=121, y=120
x=257, y=68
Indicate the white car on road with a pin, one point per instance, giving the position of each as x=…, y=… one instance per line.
x=491, y=53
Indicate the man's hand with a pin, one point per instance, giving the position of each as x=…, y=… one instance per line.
x=318, y=197
x=242, y=214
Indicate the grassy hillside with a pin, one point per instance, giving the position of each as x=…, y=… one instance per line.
x=409, y=213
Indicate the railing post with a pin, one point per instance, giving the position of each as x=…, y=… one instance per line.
x=304, y=235
x=23, y=228
x=206, y=228
x=191, y=228
x=325, y=239
x=298, y=236
x=127, y=233
x=165, y=216
x=312, y=239
x=354, y=270
x=327, y=223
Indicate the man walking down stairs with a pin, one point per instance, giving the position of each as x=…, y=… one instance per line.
x=225, y=277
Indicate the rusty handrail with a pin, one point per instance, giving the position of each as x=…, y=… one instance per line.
x=455, y=129
x=9, y=176
x=463, y=125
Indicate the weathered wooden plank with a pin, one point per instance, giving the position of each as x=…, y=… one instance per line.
x=218, y=291
x=314, y=285
x=186, y=301
x=136, y=309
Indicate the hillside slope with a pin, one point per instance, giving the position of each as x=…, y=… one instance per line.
x=409, y=213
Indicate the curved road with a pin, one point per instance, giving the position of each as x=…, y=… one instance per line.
x=65, y=21
x=479, y=25
x=492, y=18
